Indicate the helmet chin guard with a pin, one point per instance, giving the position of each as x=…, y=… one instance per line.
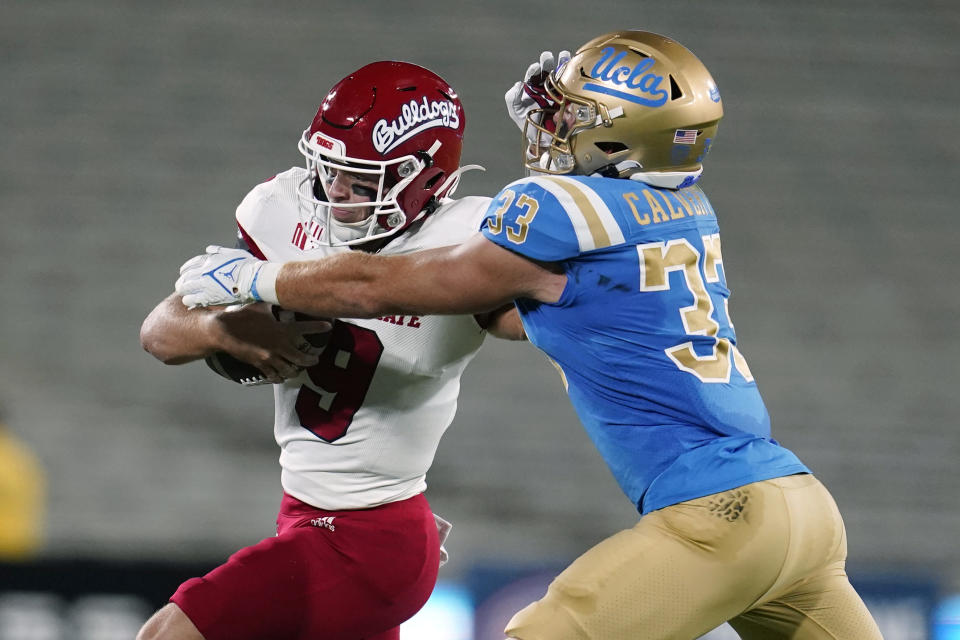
x=397, y=124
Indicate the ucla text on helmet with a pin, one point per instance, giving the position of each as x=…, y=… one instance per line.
x=632, y=78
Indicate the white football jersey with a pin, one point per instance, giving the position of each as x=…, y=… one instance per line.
x=361, y=428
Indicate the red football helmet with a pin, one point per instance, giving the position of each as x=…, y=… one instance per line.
x=396, y=122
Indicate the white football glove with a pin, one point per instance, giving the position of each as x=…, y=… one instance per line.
x=225, y=276
x=530, y=94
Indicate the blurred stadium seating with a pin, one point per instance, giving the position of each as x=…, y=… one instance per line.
x=131, y=131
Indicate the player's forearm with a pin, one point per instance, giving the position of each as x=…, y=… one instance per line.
x=175, y=335
x=359, y=285
x=338, y=287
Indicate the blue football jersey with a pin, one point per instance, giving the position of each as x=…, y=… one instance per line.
x=642, y=333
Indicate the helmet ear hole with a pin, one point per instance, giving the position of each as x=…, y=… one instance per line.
x=675, y=91
x=611, y=147
x=433, y=180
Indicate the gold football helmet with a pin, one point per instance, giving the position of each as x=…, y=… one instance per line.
x=629, y=104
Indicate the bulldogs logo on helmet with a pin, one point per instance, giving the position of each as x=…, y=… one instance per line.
x=632, y=104
x=398, y=123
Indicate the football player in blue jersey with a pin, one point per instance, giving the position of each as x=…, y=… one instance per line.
x=611, y=253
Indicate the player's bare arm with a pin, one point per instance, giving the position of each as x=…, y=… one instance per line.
x=427, y=282
x=175, y=335
x=503, y=323
x=360, y=285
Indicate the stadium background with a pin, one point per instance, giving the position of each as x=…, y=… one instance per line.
x=132, y=129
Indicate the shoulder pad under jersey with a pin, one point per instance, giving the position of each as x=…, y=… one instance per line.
x=551, y=218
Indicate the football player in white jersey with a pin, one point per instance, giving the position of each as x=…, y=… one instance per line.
x=358, y=421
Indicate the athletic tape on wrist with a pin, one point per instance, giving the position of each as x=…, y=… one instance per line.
x=264, y=285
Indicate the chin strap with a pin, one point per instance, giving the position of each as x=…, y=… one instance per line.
x=663, y=179
x=668, y=179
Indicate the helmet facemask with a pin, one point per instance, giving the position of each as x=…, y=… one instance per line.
x=557, y=135
x=390, y=177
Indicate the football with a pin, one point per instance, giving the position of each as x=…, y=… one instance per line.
x=248, y=375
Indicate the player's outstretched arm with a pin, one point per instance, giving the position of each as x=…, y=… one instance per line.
x=474, y=277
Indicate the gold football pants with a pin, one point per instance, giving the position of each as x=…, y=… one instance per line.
x=768, y=557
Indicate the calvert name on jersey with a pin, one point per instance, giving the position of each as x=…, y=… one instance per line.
x=361, y=428
x=642, y=333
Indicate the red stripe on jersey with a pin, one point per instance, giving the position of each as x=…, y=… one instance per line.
x=251, y=245
x=299, y=237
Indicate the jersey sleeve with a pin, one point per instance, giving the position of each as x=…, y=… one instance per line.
x=248, y=214
x=527, y=218
x=251, y=208
x=265, y=217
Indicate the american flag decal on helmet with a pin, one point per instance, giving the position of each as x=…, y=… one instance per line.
x=685, y=136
